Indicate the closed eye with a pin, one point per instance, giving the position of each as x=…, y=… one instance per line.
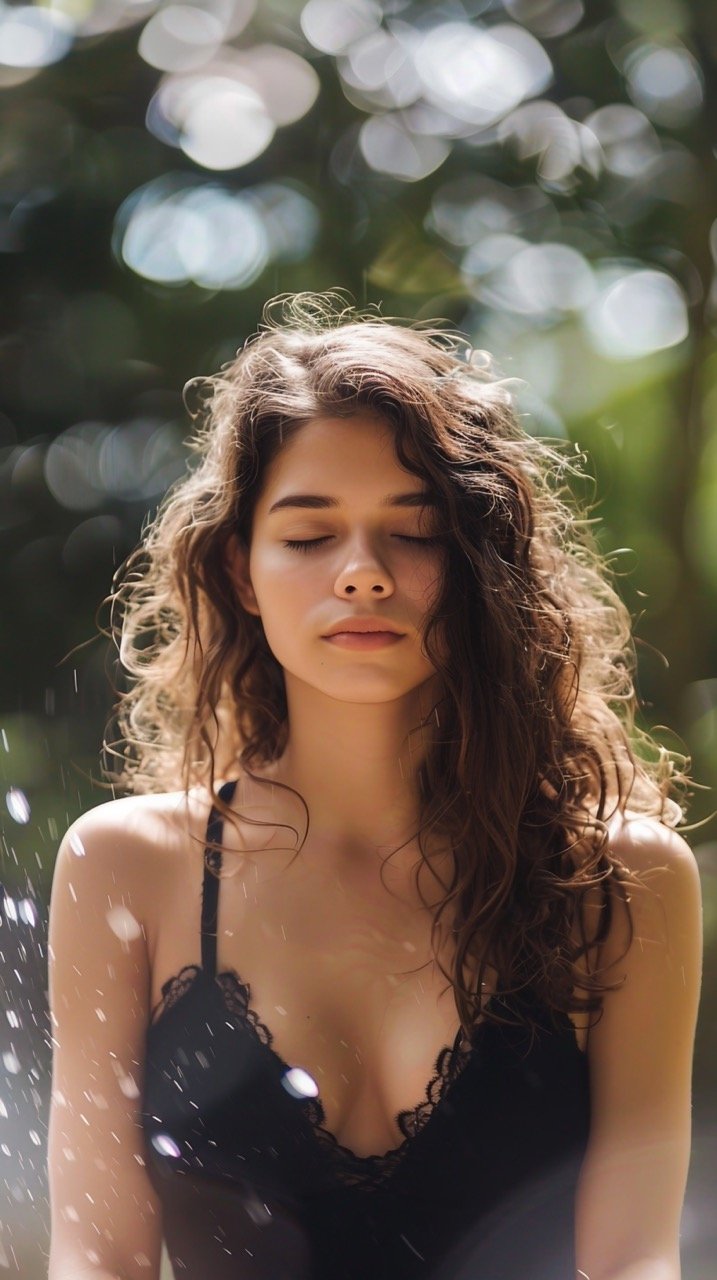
x=315, y=542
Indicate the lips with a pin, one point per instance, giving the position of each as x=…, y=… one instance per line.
x=360, y=640
x=363, y=626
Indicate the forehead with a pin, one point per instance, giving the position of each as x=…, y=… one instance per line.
x=338, y=456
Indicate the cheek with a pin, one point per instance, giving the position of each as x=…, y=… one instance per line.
x=289, y=588
x=427, y=581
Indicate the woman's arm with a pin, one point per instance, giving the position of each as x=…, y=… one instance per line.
x=632, y=1182
x=105, y=1216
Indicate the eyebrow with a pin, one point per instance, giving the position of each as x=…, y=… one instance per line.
x=316, y=501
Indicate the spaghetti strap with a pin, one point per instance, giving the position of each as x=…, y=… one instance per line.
x=210, y=883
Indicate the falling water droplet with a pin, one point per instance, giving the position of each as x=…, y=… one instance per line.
x=128, y=1085
x=27, y=911
x=76, y=844
x=165, y=1145
x=123, y=924
x=299, y=1083
x=17, y=805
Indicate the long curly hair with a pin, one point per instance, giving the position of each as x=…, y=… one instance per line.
x=536, y=743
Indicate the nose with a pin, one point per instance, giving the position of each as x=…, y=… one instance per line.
x=363, y=570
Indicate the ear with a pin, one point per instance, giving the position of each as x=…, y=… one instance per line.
x=236, y=558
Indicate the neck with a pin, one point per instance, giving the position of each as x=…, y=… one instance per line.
x=356, y=766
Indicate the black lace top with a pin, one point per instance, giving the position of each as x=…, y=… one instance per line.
x=253, y=1186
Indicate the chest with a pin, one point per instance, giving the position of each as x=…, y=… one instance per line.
x=340, y=972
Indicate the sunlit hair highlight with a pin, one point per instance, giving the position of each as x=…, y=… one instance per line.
x=535, y=743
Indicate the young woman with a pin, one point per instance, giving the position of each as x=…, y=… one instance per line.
x=322, y=982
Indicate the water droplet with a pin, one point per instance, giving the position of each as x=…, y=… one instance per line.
x=76, y=844
x=128, y=1085
x=123, y=924
x=28, y=912
x=299, y=1083
x=165, y=1145
x=17, y=805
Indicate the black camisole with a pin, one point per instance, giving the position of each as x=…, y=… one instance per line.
x=253, y=1186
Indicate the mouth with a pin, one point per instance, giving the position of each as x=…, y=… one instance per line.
x=362, y=627
x=363, y=639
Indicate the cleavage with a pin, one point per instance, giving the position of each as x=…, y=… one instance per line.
x=330, y=984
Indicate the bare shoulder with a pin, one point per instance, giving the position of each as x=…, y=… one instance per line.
x=132, y=819
x=645, y=844
x=136, y=826
x=665, y=895
x=131, y=842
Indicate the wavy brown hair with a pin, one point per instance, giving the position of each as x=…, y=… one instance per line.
x=537, y=743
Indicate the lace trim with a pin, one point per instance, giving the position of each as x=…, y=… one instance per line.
x=351, y=1168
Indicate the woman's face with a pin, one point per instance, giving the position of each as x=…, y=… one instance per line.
x=360, y=556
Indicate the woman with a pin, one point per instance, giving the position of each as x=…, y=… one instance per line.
x=321, y=982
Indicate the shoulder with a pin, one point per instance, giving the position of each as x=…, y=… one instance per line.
x=653, y=962
x=665, y=892
x=645, y=844
x=138, y=824
x=128, y=844
x=130, y=827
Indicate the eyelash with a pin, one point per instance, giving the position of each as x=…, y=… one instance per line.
x=315, y=542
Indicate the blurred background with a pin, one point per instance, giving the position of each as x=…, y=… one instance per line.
x=539, y=173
